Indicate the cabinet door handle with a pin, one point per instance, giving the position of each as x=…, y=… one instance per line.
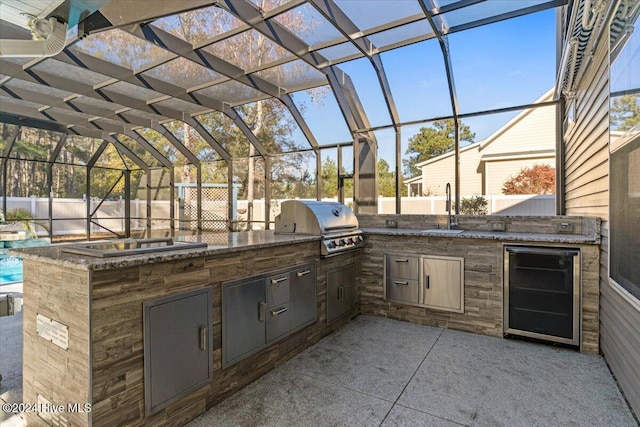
x=278, y=312
x=401, y=260
x=203, y=338
x=262, y=309
x=427, y=284
x=302, y=273
x=340, y=293
x=397, y=282
x=281, y=279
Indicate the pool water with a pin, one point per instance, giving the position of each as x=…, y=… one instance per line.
x=10, y=269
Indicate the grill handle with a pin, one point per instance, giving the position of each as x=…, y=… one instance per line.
x=341, y=227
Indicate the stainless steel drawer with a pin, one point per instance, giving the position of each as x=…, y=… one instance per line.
x=277, y=321
x=403, y=267
x=277, y=289
x=405, y=290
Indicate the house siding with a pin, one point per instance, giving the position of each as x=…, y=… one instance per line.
x=586, y=192
x=537, y=125
x=531, y=134
x=436, y=175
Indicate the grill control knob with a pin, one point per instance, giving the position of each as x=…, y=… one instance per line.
x=341, y=242
x=352, y=240
x=331, y=244
x=360, y=238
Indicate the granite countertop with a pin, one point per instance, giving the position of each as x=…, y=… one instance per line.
x=217, y=243
x=490, y=235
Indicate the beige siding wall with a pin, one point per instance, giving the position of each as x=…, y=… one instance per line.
x=500, y=171
x=587, y=193
x=534, y=130
x=537, y=126
x=436, y=175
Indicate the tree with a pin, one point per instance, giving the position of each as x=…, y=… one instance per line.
x=433, y=141
x=625, y=112
x=269, y=119
x=386, y=180
x=539, y=179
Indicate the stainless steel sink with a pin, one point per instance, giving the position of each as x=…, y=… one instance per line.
x=443, y=231
x=126, y=247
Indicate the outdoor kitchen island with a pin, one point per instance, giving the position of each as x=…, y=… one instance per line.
x=102, y=302
x=84, y=334
x=483, y=306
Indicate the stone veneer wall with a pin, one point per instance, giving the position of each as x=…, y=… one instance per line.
x=483, y=281
x=516, y=224
x=117, y=353
x=60, y=376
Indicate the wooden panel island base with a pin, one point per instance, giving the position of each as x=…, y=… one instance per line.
x=100, y=301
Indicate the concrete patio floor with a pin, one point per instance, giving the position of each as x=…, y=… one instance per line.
x=382, y=372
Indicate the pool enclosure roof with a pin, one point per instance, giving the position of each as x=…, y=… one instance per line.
x=125, y=69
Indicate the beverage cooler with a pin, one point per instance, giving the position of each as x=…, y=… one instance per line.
x=542, y=293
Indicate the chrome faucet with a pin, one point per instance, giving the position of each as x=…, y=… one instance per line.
x=448, y=207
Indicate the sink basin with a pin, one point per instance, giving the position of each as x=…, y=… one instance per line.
x=129, y=247
x=443, y=231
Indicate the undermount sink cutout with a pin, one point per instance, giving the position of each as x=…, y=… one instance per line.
x=443, y=231
x=123, y=247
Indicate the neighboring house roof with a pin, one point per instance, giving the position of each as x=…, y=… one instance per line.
x=481, y=145
x=518, y=155
x=449, y=154
x=412, y=180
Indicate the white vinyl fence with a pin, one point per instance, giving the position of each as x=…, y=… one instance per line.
x=70, y=214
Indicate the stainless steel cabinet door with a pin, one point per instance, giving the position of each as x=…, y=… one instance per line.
x=178, y=355
x=244, y=312
x=302, y=296
x=341, y=289
x=443, y=283
x=349, y=293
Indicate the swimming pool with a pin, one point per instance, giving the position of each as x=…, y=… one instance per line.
x=10, y=269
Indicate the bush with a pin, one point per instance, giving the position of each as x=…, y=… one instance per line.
x=474, y=205
x=24, y=217
x=539, y=179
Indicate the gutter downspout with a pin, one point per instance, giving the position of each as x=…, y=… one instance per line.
x=52, y=45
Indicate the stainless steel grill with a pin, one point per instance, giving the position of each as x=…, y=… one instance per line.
x=333, y=221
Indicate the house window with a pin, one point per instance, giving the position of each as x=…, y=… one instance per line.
x=624, y=172
x=624, y=267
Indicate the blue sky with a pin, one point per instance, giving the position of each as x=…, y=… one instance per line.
x=499, y=65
